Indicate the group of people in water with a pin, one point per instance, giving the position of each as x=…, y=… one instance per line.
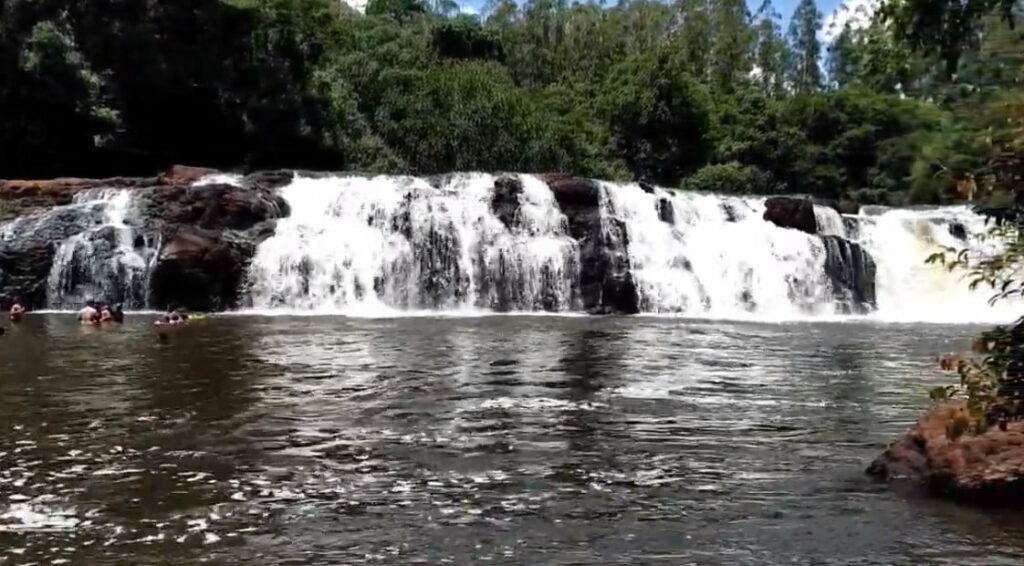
x=96, y=313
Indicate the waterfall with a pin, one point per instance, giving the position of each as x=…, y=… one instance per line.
x=475, y=242
x=717, y=258
x=105, y=261
x=830, y=222
x=909, y=289
x=369, y=245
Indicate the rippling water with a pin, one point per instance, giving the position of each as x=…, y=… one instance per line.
x=504, y=440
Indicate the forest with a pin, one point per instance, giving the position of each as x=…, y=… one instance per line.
x=697, y=94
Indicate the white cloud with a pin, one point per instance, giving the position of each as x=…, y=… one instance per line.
x=856, y=13
x=357, y=5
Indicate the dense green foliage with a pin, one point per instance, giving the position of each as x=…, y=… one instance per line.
x=979, y=44
x=695, y=93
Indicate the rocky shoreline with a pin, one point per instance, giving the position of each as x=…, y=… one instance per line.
x=982, y=469
x=204, y=236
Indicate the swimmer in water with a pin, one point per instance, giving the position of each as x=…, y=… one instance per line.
x=17, y=311
x=172, y=318
x=117, y=314
x=106, y=315
x=89, y=314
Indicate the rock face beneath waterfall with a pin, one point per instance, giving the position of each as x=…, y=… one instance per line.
x=204, y=269
x=606, y=281
x=208, y=233
x=985, y=468
x=788, y=212
x=851, y=269
x=505, y=201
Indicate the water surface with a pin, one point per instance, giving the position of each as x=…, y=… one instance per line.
x=501, y=440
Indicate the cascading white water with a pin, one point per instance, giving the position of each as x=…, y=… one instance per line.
x=354, y=244
x=901, y=240
x=718, y=258
x=829, y=221
x=477, y=242
x=104, y=261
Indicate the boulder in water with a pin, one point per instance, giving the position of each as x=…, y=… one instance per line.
x=984, y=468
x=788, y=212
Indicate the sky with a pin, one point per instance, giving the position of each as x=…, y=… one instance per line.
x=832, y=10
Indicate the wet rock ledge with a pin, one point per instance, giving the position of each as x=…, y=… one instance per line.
x=205, y=236
x=981, y=469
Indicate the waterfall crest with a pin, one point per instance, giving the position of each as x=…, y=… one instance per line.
x=354, y=244
x=282, y=242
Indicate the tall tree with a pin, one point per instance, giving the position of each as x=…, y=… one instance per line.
x=691, y=41
x=805, y=70
x=730, y=49
x=770, y=51
x=844, y=57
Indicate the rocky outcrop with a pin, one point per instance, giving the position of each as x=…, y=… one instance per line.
x=788, y=212
x=984, y=468
x=666, y=212
x=208, y=234
x=958, y=231
x=505, y=200
x=851, y=269
x=606, y=282
x=203, y=269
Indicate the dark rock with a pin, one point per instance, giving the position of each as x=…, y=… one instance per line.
x=215, y=206
x=573, y=192
x=958, y=231
x=983, y=468
x=505, y=201
x=666, y=212
x=646, y=187
x=28, y=249
x=209, y=236
x=787, y=212
x=606, y=281
x=202, y=269
x=271, y=179
x=23, y=272
x=729, y=212
x=848, y=207
x=851, y=270
x=851, y=226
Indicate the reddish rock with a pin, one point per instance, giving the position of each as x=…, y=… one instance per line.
x=185, y=175
x=985, y=468
x=789, y=212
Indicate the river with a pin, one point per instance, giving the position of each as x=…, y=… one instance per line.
x=471, y=440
